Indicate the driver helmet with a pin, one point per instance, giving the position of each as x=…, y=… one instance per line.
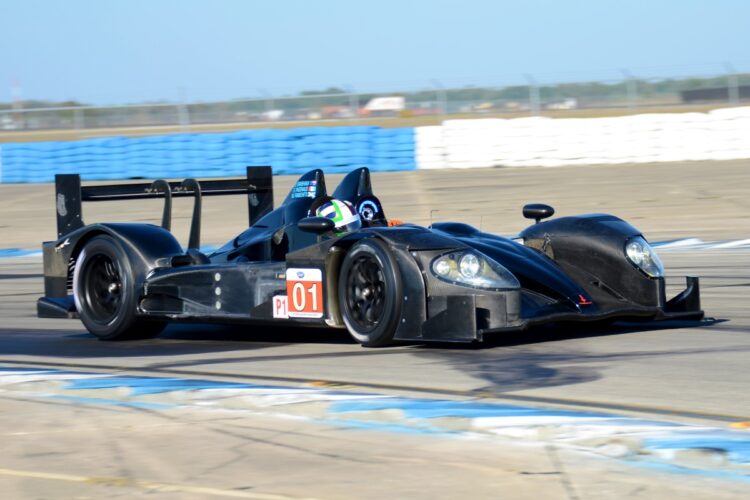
x=344, y=216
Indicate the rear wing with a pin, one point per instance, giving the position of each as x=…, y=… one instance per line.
x=70, y=195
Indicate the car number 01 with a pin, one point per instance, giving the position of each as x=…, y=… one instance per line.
x=299, y=294
x=305, y=289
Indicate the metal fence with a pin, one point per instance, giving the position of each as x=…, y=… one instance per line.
x=633, y=94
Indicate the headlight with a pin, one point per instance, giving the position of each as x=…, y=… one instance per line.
x=471, y=268
x=641, y=254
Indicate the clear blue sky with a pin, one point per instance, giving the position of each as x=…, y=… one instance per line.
x=112, y=51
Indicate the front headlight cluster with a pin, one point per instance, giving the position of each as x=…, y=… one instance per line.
x=471, y=268
x=641, y=254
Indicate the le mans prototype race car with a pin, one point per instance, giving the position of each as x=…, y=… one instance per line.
x=449, y=282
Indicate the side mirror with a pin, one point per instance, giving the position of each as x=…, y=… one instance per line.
x=537, y=211
x=317, y=225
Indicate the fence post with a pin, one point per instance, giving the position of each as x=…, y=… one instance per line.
x=354, y=104
x=631, y=89
x=183, y=115
x=78, y=122
x=734, y=89
x=268, y=104
x=632, y=94
x=534, y=98
x=17, y=103
x=442, y=97
x=733, y=84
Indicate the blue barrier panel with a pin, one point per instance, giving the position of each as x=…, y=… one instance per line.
x=289, y=151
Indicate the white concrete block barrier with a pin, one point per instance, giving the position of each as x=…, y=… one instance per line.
x=722, y=134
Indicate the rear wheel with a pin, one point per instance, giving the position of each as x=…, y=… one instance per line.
x=370, y=293
x=105, y=294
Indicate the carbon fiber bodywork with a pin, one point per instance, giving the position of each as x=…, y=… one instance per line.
x=569, y=269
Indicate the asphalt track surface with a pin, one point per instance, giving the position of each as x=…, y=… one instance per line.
x=676, y=371
x=709, y=200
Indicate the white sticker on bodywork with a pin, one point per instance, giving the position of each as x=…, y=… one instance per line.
x=280, y=307
x=304, y=287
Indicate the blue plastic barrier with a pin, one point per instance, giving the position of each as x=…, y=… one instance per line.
x=289, y=151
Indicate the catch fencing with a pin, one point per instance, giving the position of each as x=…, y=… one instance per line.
x=516, y=99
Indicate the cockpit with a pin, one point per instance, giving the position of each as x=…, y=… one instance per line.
x=276, y=233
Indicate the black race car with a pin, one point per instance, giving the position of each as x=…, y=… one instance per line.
x=383, y=282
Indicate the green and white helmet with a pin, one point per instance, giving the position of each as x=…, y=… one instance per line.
x=343, y=215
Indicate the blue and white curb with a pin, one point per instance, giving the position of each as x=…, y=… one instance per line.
x=23, y=252
x=6, y=253
x=679, y=447
x=698, y=244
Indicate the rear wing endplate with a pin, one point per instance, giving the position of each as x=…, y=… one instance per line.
x=70, y=195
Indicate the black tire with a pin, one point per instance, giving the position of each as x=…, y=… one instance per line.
x=105, y=295
x=370, y=293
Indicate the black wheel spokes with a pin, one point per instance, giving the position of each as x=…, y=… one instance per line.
x=103, y=288
x=366, y=296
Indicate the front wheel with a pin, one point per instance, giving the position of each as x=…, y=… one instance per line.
x=105, y=294
x=370, y=293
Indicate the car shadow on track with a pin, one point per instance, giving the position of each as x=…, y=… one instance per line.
x=256, y=334
x=176, y=341
x=540, y=357
x=567, y=331
x=184, y=345
x=537, y=358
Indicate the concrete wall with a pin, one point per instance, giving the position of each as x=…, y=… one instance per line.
x=290, y=151
x=722, y=134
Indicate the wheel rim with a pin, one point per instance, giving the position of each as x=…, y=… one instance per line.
x=366, y=293
x=102, y=288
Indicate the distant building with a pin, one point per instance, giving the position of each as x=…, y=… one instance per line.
x=713, y=94
x=384, y=106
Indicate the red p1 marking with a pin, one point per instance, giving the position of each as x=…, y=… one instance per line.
x=304, y=290
x=280, y=309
